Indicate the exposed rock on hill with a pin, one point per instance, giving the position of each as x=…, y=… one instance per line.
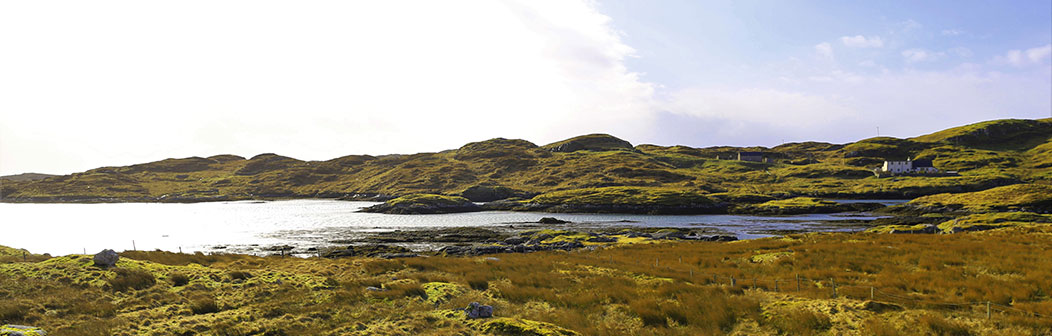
x=592, y=142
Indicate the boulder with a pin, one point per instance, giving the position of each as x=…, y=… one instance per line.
x=514, y=240
x=489, y=193
x=475, y=310
x=552, y=220
x=20, y=330
x=106, y=259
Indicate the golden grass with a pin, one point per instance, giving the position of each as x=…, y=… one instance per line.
x=1008, y=197
x=659, y=289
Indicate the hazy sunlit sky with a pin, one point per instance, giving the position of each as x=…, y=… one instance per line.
x=85, y=84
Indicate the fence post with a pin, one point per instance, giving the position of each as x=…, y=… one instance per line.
x=680, y=259
x=655, y=262
x=834, y=286
x=692, y=274
x=797, y=282
x=23, y=256
x=732, y=281
x=775, y=285
x=180, y=249
x=987, y=310
x=871, y=290
x=133, y=245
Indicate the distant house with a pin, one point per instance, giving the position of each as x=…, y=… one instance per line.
x=750, y=156
x=923, y=166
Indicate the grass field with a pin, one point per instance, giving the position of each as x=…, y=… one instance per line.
x=884, y=285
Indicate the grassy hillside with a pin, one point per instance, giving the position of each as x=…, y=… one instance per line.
x=26, y=177
x=987, y=154
x=811, y=284
x=1033, y=197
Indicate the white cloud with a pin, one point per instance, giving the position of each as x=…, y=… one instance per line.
x=859, y=41
x=1039, y=54
x=845, y=107
x=824, y=49
x=1036, y=55
x=120, y=82
x=951, y=32
x=921, y=55
x=909, y=25
x=961, y=52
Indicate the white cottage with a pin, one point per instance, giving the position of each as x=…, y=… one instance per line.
x=923, y=166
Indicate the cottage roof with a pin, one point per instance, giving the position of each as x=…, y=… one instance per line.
x=922, y=163
x=750, y=153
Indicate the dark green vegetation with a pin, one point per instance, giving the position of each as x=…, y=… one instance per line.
x=672, y=288
x=424, y=204
x=582, y=170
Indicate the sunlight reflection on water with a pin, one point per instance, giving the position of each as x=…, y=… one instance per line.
x=62, y=229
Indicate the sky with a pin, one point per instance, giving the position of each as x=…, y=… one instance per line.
x=110, y=83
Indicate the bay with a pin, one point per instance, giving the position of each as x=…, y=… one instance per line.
x=61, y=229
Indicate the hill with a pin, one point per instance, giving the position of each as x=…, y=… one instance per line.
x=988, y=154
x=26, y=177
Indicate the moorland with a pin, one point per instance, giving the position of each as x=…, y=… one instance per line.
x=592, y=169
x=968, y=255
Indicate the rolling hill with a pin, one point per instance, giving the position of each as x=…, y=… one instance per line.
x=987, y=154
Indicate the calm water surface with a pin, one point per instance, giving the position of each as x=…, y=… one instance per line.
x=62, y=229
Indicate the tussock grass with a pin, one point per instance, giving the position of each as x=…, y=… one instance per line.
x=658, y=289
x=938, y=325
x=799, y=321
x=126, y=279
x=179, y=279
x=204, y=305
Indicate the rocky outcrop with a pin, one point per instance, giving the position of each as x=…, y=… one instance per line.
x=646, y=209
x=490, y=193
x=444, y=235
x=551, y=220
x=421, y=204
x=476, y=310
x=492, y=249
x=20, y=330
x=106, y=259
x=376, y=251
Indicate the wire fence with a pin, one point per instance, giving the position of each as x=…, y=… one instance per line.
x=831, y=285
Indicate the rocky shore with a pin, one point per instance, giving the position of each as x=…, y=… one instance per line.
x=529, y=237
